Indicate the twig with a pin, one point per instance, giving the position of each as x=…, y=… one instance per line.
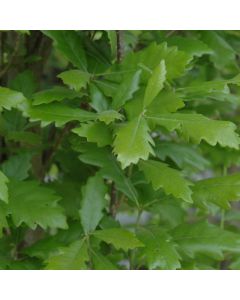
x=120, y=45
x=12, y=57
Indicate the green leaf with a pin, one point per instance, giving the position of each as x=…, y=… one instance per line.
x=75, y=79
x=223, y=54
x=73, y=257
x=110, y=169
x=17, y=166
x=166, y=102
x=218, y=190
x=108, y=116
x=184, y=155
x=159, y=249
x=126, y=89
x=96, y=132
x=205, y=238
x=59, y=113
x=93, y=203
x=155, y=83
x=120, y=238
x=192, y=46
x=151, y=56
x=3, y=187
x=10, y=99
x=70, y=44
x=171, y=180
x=133, y=142
x=198, y=127
x=101, y=262
x=35, y=205
x=54, y=94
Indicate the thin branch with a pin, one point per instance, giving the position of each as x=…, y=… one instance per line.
x=12, y=57
x=120, y=45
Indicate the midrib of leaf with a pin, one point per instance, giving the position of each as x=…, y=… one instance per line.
x=135, y=131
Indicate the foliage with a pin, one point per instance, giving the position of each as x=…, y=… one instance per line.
x=119, y=150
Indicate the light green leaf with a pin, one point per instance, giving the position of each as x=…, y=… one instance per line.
x=151, y=56
x=59, y=113
x=120, y=238
x=109, y=116
x=170, y=180
x=159, y=249
x=192, y=46
x=198, y=127
x=166, y=102
x=3, y=187
x=55, y=94
x=126, y=89
x=35, y=205
x=218, y=190
x=73, y=257
x=93, y=203
x=96, y=132
x=155, y=83
x=11, y=99
x=75, y=79
x=133, y=142
x=205, y=238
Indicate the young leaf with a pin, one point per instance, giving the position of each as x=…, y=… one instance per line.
x=73, y=257
x=155, y=83
x=75, y=79
x=3, y=187
x=108, y=116
x=96, y=132
x=126, y=90
x=10, y=99
x=218, y=190
x=162, y=176
x=59, y=113
x=133, y=142
x=198, y=127
x=159, y=249
x=120, y=238
x=35, y=205
x=93, y=203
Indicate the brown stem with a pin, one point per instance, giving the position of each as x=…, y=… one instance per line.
x=120, y=45
x=53, y=150
x=12, y=57
x=114, y=201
